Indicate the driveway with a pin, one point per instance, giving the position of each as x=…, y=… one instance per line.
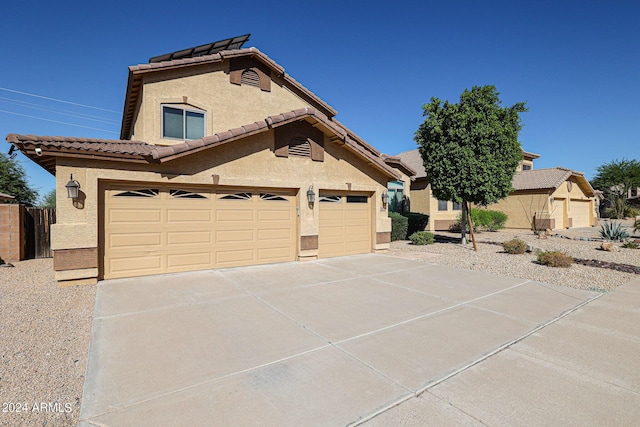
x=367, y=339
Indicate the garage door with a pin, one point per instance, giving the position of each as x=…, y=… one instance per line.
x=151, y=229
x=345, y=225
x=580, y=213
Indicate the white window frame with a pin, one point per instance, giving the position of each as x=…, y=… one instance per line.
x=184, y=109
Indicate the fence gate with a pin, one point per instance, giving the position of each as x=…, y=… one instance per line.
x=37, y=232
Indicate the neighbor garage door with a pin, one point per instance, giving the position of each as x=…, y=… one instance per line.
x=345, y=224
x=580, y=213
x=152, y=229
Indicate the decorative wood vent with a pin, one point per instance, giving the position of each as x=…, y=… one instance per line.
x=250, y=77
x=299, y=146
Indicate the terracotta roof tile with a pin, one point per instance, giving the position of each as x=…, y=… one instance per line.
x=538, y=179
x=413, y=159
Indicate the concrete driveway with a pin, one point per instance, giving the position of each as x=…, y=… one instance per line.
x=364, y=339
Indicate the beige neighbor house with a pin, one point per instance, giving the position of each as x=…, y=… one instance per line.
x=224, y=160
x=554, y=197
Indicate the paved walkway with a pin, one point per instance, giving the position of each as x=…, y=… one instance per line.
x=365, y=339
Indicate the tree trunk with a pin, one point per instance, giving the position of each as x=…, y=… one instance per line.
x=463, y=223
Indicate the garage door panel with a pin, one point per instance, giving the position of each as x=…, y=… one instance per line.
x=580, y=213
x=235, y=257
x=134, y=240
x=192, y=261
x=275, y=254
x=285, y=234
x=189, y=237
x=275, y=215
x=188, y=216
x=129, y=216
x=134, y=266
x=345, y=225
x=357, y=216
x=234, y=236
x=235, y=215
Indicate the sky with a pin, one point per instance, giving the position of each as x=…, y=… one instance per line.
x=576, y=64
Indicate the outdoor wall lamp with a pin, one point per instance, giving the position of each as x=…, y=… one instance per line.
x=311, y=196
x=385, y=199
x=72, y=188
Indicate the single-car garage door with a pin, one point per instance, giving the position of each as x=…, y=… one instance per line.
x=153, y=229
x=580, y=213
x=345, y=224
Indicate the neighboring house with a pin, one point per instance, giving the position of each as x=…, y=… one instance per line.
x=5, y=198
x=224, y=160
x=549, y=195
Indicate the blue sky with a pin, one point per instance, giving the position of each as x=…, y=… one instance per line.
x=575, y=63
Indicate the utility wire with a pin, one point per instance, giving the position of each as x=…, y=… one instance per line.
x=56, y=121
x=58, y=100
x=62, y=112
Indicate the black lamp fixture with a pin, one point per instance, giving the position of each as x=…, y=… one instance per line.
x=72, y=188
x=311, y=196
x=385, y=199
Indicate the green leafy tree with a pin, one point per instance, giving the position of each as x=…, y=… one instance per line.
x=615, y=179
x=13, y=181
x=49, y=199
x=470, y=149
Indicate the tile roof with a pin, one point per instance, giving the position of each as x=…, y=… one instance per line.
x=538, y=179
x=141, y=152
x=413, y=159
x=137, y=71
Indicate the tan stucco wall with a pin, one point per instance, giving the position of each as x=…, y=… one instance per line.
x=422, y=201
x=562, y=203
x=249, y=163
x=208, y=88
x=520, y=208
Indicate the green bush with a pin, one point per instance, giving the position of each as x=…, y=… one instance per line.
x=555, y=259
x=484, y=220
x=417, y=222
x=636, y=225
x=399, y=225
x=630, y=245
x=515, y=246
x=631, y=212
x=613, y=231
x=422, y=238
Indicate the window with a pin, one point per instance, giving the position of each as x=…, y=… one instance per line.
x=442, y=205
x=457, y=206
x=272, y=197
x=144, y=192
x=250, y=77
x=526, y=167
x=634, y=192
x=184, y=194
x=299, y=146
x=237, y=196
x=180, y=123
x=330, y=199
x=357, y=199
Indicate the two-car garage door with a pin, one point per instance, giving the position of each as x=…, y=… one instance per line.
x=153, y=229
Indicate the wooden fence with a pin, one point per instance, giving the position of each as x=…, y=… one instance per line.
x=37, y=226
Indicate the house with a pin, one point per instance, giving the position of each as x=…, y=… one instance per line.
x=555, y=197
x=223, y=160
x=5, y=198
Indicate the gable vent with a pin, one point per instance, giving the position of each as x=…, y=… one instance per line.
x=250, y=77
x=299, y=146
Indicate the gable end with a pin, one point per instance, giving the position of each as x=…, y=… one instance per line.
x=285, y=135
x=240, y=65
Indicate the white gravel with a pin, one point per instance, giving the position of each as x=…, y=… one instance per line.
x=43, y=346
x=493, y=259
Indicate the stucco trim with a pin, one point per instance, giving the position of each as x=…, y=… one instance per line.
x=308, y=243
x=75, y=259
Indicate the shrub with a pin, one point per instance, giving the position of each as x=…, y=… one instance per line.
x=422, y=238
x=630, y=245
x=484, y=220
x=613, y=231
x=631, y=212
x=399, y=226
x=636, y=225
x=555, y=259
x=515, y=246
x=417, y=222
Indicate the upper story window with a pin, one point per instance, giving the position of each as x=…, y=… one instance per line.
x=526, y=167
x=182, y=123
x=442, y=205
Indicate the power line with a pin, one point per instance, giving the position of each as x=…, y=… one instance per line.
x=61, y=112
x=56, y=121
x=58, y=100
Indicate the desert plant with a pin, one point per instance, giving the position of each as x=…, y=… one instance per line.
x=613, y=231
x=636, y=225
x=399, y=225
x=484, y=220
x=555, y=259
x=417, y=221
x=515, y=246
x=422, y=238
x=497, y=220
x=629, y=244
x=631, y=212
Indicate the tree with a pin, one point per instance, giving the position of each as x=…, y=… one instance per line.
x=615, y=179
x=470, y=149
x=49, y=199
x=13, y=181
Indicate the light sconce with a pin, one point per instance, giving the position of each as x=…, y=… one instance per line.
x=385, y=199
x=311, y=196
x=72, y=188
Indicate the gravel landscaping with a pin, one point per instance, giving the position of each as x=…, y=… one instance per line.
x=46, y=329
x=43, y=346
x=491, y=258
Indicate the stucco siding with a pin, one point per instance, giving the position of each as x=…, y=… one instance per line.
x=521, y=208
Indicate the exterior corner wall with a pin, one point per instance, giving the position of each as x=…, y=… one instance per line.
x=12, y=233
